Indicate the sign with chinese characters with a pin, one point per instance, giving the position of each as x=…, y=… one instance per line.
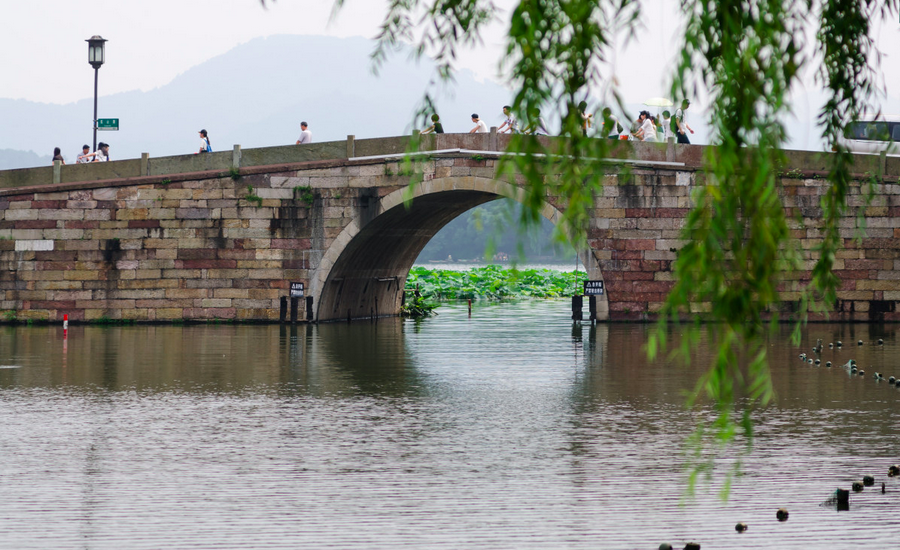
x=108, y=124
x=296, y=290
x=593, y=288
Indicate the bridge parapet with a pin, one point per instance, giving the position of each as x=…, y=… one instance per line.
x=237, y=158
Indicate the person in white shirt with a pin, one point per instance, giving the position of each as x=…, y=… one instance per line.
x=305, y=135
x=667, y=126
x=205, y=147
x=509, y=125
x=647, y=132
x=480, y=126
x=102, y=153
x=682, y=124
x=86, y=156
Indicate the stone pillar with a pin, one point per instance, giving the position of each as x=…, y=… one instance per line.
x=670, y=149
x=236, y=157
x=351, y=147
x=145, y=164
x=57, y=171
x=493, y=142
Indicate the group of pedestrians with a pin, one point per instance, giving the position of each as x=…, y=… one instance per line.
x=100, y=155
x=651, y=128
x=510, y=125
x=102, y=152
x=646, y=128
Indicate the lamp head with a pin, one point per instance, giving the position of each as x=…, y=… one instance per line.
x=96, y=51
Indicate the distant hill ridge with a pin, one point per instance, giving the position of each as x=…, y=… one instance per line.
x=254, y=95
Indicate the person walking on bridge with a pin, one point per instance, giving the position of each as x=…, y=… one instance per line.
x=681, y=124
x=509, y=126
x=436, y=126
x=102, y=153
x=611, y=124
x=205, y=147
x=305, y=134
x=86, y=156
x=480, y=126
x=57, y=155
x=536, y=125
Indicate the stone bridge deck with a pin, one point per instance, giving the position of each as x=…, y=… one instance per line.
x=222, y=236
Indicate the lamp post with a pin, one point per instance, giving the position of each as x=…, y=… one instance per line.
x=96, y=57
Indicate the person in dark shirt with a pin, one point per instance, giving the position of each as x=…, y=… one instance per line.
x=436, y=127
x=57, y=155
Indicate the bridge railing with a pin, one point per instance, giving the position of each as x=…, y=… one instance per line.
x=236, y=158
x=802, y=162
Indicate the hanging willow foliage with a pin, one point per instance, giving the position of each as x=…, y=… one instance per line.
x=744, y=55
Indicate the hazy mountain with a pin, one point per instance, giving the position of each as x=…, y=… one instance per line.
x=255, y=95
x=10, y=158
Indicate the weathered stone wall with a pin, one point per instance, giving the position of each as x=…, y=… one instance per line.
x=637, y=224
x=192, y=249
x=225, y=245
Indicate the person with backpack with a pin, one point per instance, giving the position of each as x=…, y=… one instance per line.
x=204, y=142
x=611, y=124
x=679, y=125
x=536, y=125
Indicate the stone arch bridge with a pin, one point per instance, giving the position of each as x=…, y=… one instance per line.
x=222, y=236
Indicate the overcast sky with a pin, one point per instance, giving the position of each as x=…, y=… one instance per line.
x=151, y=42
x=44, y=53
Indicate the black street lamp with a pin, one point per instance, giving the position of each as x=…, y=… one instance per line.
x=96, y=57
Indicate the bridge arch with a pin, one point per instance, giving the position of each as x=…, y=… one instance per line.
x=363, y=272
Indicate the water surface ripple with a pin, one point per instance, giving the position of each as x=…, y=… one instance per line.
x=510, y=429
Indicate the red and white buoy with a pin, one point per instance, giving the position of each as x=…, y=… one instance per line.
x=65, y=321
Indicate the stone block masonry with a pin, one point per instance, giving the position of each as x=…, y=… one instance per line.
x=215, y=244
x=152, y=251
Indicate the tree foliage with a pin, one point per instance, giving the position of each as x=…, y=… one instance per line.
x=491, y=228
x=744, y=56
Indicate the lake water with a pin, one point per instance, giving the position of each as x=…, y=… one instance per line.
x=510, y=429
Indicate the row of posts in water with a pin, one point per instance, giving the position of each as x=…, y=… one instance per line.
x=295, y=306
x=578, y=308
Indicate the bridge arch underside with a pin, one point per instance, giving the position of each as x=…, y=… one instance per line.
x=369, y=275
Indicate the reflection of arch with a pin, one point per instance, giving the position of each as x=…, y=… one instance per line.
x=363, y=271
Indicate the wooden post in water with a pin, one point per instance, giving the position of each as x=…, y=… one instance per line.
x=282, y=312
x=843, y=500
x=294, y=302
x=577, y=307
x=309, y=309
x=592, y=307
